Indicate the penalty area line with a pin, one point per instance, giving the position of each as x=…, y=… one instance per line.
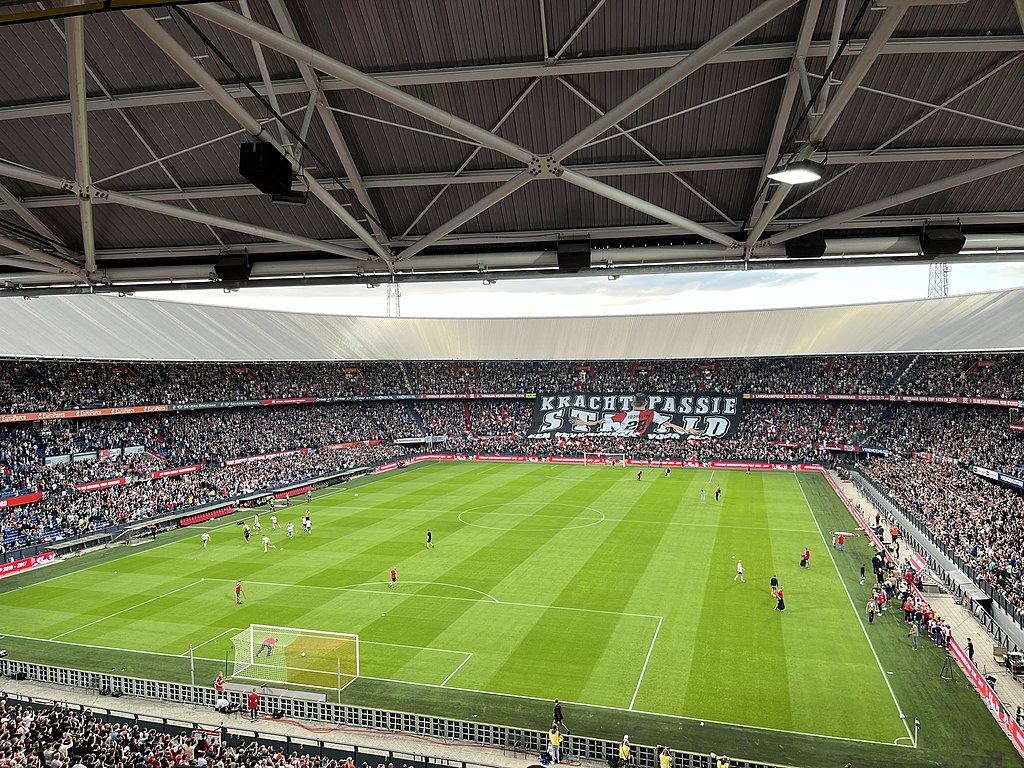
x=125, y=610
x=215, y=637
x=856, y=613
x=461, y=664
x=643, y=669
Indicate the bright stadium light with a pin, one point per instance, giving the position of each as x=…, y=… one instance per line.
x=798, y=172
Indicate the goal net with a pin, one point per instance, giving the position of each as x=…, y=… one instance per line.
x=614, y=459
x=307, y=657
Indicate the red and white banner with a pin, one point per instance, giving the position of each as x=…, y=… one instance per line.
x=1006, y=720
x=175, y=471
x=917, y=562
x=336, y=446
x=202, y=517
x=99, y=485
x=81, y=413
x=6, y=569
x=17, y=501
x=293, y=492
x=262, y=456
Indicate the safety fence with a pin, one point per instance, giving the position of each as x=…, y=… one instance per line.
x=529, y=743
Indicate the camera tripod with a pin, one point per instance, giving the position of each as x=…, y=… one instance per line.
x=947, y=667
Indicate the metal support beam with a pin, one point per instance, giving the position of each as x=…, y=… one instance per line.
x=152, y=29
x=268, y=83
x=13, y=203
x=74, y=29
x=330, y=123
x=833, y=48
x=880, y=149
x=39, y=260
x=707, y=53
x=524, y=71
x=848, y=158
x=939, y=185
x=304, y=54
x=887, y=24
x=771, y=155
x=652, y=210
x=644, y=149
x=32, y=176
x=469, y=159
x=516, y=182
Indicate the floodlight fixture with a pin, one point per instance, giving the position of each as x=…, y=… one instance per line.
x=798, y=172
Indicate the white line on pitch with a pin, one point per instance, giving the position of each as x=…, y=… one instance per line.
x=643, y=669
x=468, y=657
x=856, y=613
x=125, y=610
x=396, y=593
x=637, y=711
x=107, y=648
x=414, y=647
x=215, y=637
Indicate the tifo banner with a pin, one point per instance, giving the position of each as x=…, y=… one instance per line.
x=6, y=569
x=17, y=501
x=658, y=416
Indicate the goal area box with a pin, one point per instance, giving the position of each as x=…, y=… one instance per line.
x=307, y=657
x=611, y=459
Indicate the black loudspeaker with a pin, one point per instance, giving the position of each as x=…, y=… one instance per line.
x=573, y=255
x=811, y=246
x=942, y=242
x=233, y=269
x=278, y=714
x=265, y=168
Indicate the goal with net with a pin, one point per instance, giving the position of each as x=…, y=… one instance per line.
x=615, y=459
x=307, y=657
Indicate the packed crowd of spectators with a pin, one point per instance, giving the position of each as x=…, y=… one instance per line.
x=782, y=431
x=61, y=737
x=981, y=522
x=27, y=386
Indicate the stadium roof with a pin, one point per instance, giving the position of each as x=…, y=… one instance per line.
x=113, y=328
x=440, y=140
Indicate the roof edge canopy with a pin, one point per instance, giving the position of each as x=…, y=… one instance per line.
x=114, y=328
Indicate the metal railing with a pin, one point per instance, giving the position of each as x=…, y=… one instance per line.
x=347, y=715
x=920, y=530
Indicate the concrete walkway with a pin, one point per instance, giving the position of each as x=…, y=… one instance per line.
x=962, y=622
x=301, y=733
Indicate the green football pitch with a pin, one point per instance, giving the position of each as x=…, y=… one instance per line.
x=617, y=596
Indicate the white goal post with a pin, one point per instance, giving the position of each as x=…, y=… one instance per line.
x=308, y=657
x=616, y=459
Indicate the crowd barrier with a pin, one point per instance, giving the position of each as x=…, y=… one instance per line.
x=351, y=716
x=1006, y=720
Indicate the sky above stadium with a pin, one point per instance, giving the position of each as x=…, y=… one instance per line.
x=632, y=295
